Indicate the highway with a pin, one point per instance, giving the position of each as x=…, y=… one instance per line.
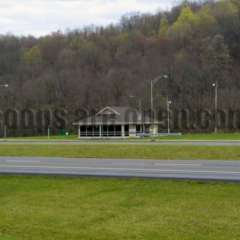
x=196, y=169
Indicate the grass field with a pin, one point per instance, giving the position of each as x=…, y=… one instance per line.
x=212, y=136
x=123, y=151
x=104, y=209
x=55, y=137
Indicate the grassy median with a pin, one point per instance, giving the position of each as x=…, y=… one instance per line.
x=123, y=151
x=189, y=136
x=105, y=209
x=204, y=136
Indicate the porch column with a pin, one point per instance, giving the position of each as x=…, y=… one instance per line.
x=100, y=130
x=123, y=130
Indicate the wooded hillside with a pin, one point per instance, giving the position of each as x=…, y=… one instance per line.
x=196, y=44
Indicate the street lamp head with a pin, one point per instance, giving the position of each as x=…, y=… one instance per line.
x=165, y=76
x=160, y=78
x=214, y=84
x=4, y=85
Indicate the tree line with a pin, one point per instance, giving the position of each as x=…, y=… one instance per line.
x=194, y=43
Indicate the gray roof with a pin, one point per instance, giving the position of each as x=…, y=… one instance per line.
x=116, y=116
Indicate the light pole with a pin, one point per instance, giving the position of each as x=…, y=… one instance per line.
x=4, y=127
x=168, y=114
x=153, y=82
x=215, y=85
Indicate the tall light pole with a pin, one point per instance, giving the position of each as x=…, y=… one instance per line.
x=153, y=82
x=4, y=127
x=168, y=114
x=215, y=85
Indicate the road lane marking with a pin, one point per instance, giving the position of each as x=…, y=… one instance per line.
x=120, y=169
x=21, y=161
x=178, y=164
x=133, y=164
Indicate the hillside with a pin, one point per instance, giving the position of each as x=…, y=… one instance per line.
x=196, y=44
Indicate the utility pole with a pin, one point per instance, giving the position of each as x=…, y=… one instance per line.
x=168, y=114
x=215, y=85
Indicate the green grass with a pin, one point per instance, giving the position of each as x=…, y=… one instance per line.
x=129, y=151
x=55, y=137
x=212, y=136
x=104, y=209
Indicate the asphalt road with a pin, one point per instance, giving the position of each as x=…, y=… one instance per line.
x=197, y=169
x=113, y=141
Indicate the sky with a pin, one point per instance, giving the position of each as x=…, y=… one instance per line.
x=41, y=17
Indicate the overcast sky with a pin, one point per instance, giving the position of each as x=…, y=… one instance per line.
x=40, y=17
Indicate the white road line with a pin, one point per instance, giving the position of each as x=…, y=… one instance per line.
x=178, y=164
x=21, y=161
x=120, y=169
x=158, y=164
